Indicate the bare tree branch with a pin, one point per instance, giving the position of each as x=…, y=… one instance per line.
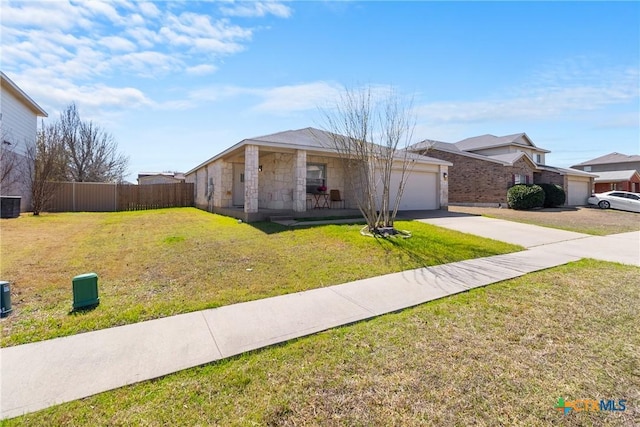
x=45, y=162
x=371, y=137
x=92, y=152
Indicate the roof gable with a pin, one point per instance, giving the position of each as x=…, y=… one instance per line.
x=616, y=176
x=610, y=158
x=311, y=139
x=490, y=141
x=8, y=85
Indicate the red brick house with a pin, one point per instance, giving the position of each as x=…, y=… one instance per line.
x=486, y=166
x=626, y=180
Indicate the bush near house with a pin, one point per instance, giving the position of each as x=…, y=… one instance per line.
x=554, y=195
x=525, y=196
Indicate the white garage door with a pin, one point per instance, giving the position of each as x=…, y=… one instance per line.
x=578, y=192
x=420, y=191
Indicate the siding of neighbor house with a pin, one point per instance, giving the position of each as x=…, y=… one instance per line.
x=478, y=181
x=19, y=126
x=19, y=122
x=610, y=167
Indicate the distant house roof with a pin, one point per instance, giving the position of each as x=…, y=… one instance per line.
x=568, y=171
x=10, y=86
x=171, y=174
x=616, y=176
x=610, y=158
x=174, y=175
x=302, y=139
x=490, y=141
x=507, y=159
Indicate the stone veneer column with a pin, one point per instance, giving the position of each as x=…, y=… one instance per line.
x=251, y=160
x=444, y=188
x=300, y=181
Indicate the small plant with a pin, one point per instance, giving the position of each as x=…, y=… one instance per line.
x=322, y=188
x=554, y=195
x=525, y=196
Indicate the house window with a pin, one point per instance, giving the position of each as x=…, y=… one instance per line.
x=587, y=168
x=316, y=176
x=539, y=158
x=520, y=179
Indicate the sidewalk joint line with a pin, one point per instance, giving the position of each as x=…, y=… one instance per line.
x=331, y=288
x=211, y=333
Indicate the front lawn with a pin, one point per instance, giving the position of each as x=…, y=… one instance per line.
x=159, y=263
x=499, y=355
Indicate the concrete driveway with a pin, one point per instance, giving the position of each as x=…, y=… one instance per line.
x=526, y=235
x=623, y=248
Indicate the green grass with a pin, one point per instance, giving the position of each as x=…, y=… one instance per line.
x=499, y=355
x=158, y=263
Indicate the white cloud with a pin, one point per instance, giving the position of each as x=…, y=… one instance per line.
x=149, y=9
x=97, y=8
x=555, y=96
x=56, y=14
x=257, y=9
x=117, y=44
x=301, y=97
x=202, y=69
x=148, y=63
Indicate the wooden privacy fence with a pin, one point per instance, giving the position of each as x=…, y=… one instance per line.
x=107, y=197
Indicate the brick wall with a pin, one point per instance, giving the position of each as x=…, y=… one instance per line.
x=479, y=181
x=548, y=177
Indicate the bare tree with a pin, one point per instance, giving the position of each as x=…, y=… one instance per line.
x=371, y=137
x=45, y=164
x=92, y=153
x=8, y=165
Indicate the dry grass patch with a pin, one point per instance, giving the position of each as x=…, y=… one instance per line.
x=159, y=263
x=594, y=221
x=500, y=355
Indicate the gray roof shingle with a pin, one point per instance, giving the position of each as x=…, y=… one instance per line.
x=616, y=176
x=610, y=158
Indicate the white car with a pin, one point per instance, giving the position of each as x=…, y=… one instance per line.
x=622, y=200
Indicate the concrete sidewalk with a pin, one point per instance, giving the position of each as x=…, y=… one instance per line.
x=39, y=375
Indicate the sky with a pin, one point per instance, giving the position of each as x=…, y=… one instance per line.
x=176, y=83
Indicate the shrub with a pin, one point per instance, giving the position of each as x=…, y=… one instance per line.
x=525, y=196
x=554, y=195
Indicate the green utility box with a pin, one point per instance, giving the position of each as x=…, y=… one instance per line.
x=5, y=299
x=85, y=290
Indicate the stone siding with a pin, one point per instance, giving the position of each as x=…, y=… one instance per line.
x=276, y=181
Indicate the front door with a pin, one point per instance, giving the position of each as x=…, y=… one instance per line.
x=238, y=184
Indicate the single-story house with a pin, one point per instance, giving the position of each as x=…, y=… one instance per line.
x=145, y=178
x=486, y=166
x=19, y=126
x=281, y=173
x=625, y=180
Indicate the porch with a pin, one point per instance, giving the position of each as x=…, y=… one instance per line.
x=264, y=214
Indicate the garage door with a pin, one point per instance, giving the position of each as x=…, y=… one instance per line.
x=420, y=191
x=578, y=192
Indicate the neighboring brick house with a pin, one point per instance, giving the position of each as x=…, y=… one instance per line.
x=485, y=167
x=626, y=180
x=615, y=172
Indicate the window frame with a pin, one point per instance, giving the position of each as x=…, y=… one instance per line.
x=317, y=182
